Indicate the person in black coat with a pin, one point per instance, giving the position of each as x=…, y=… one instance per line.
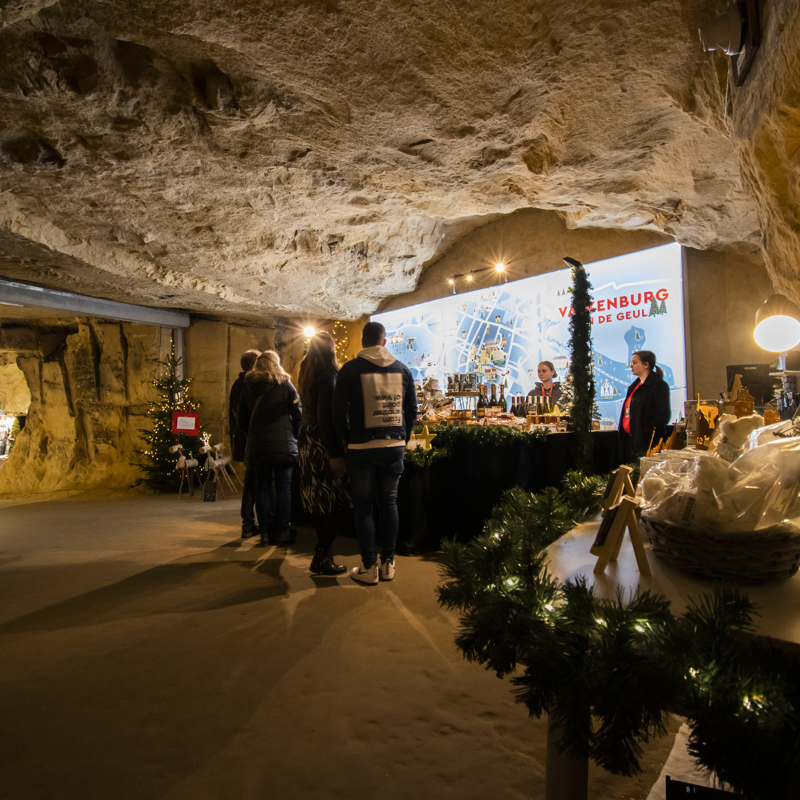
x=323, y=483
x=269, y=413
x=239, y=443
x=646, y=410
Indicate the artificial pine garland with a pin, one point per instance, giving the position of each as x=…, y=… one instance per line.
x=608, y=671
x=159, y=462
x=580, y=367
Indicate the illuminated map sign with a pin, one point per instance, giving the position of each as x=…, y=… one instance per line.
x=505, y=331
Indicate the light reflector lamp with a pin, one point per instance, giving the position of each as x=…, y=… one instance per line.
x=777, y=324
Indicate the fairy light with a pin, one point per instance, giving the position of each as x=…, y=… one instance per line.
x=549, y=607
x=639, y=628
x=600, y=621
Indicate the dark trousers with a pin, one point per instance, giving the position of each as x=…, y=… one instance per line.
x=328, y=526
x=265, y=470
x=248, y=501
x=375, y=475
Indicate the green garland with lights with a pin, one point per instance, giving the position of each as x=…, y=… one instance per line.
x=580, y=365
x=159, y=463
x=608, y=671
x=452, y=440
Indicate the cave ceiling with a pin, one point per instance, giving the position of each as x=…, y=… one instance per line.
x=255, y=158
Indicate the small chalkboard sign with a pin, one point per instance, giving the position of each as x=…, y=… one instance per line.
x=209, y=491
x=612, y=479
x=605, y=528
x=609, y=537
x=619, y=483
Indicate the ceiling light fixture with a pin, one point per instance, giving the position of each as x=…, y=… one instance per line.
x=308, y=332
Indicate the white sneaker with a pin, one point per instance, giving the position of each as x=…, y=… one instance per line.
x=387, y=570
x=362, y=575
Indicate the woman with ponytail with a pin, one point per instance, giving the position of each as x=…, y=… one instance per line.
x=646, y=410
x=323, y=484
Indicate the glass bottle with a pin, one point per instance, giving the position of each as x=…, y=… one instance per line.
x=480, y=411
x=503, y=404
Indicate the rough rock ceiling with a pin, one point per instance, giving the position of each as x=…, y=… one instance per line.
x=311, y=156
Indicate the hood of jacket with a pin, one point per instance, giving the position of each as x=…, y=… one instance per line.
x=377, y=355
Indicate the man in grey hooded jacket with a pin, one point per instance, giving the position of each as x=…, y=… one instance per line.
x=374, y=408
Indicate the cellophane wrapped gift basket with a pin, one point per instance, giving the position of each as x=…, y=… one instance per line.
x=735, y=520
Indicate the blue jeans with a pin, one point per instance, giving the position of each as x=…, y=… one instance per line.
x=375, y=474
x=265, y=469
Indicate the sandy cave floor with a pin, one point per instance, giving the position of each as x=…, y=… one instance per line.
x=146, y=651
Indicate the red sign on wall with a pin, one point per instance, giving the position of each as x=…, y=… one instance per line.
x=186, y=422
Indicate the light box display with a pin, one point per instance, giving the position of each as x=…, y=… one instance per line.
x=505, y=331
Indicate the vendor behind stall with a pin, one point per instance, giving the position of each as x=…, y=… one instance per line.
x=546, y=389
x=646, y=410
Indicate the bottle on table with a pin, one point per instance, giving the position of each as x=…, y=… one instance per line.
x=493, y=402
x=503, y=404
x=480, y=411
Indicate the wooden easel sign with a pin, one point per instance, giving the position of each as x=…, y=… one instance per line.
x=608, y=542
x=619, y=483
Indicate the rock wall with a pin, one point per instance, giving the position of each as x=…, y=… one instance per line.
x=15, y=397
x=763, y=117
x=90, y=388
x=312, y=157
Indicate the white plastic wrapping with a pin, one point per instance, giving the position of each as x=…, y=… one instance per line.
x=758, y=490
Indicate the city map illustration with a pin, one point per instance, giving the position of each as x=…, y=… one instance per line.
x=503, y=332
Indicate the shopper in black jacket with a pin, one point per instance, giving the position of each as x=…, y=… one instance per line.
x=239, y=443
x=646, y=410
x=269, y=413
x=323, y=484
x=374, y=408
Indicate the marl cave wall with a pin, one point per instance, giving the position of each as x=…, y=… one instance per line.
x=90, y=386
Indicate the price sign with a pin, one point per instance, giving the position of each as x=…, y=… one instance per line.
x=186, y=422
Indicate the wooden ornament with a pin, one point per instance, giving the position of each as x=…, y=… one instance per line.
x=619, y=483
x=608, y=542
x=745, y=402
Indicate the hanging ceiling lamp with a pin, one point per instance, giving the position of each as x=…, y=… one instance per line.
x=777, y=324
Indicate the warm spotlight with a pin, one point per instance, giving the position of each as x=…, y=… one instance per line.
x=450, y=281
x=469, y=278
x=500, y=267
x=308, y=332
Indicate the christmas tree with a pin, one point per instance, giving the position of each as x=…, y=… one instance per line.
x=159, y=462
x=580, y=344
x=654, y=312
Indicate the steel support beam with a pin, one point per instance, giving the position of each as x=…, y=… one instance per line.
x=21, y=294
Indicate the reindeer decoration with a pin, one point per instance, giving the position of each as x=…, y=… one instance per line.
x=221, y=466
x=187, y=466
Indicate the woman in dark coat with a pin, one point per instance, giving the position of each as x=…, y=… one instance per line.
x=323, y=485
x=269, y=413
x=646, y=410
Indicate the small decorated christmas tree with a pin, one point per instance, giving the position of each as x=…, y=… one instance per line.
x=159, y=470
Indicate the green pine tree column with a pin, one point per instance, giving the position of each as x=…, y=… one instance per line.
x=580, y=345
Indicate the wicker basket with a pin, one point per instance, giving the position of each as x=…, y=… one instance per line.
x=773, y=554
